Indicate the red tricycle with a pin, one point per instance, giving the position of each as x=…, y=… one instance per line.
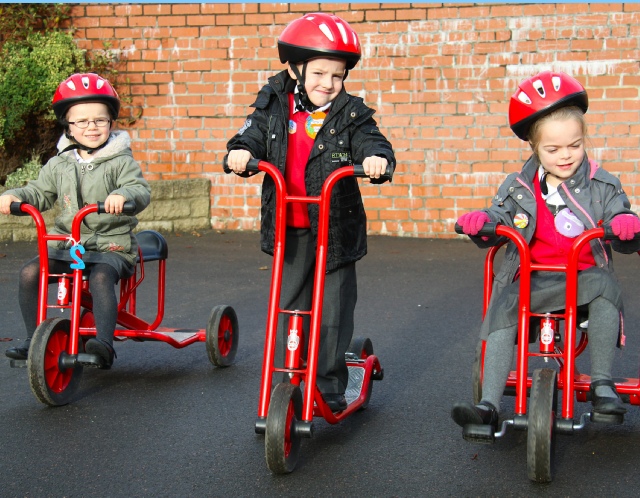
x=539, y=336
x=285, y=415
x=56, y=355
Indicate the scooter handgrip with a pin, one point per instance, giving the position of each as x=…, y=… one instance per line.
x=358, y=171
x=16, y=209
x=129, y=208
x=487, y=230
x=252, y=165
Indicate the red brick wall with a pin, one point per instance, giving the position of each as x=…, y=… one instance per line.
x=439, y=75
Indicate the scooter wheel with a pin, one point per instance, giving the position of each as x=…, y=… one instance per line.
x=49, y=383
x=282, y=443
x=541, y=425
x=222, y=336
x=362, y=347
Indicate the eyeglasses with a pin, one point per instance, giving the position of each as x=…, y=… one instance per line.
x=84, y=123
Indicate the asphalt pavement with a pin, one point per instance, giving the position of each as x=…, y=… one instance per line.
x=166, y=422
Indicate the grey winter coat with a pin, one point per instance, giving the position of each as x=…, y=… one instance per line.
x=73, y=185
x=348, y=135
x=592, y=194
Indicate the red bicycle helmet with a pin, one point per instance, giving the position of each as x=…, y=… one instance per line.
x=541, y=95
x=319, y=35
x=87, y=87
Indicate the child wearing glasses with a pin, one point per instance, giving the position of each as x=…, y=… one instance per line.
x=94, y=164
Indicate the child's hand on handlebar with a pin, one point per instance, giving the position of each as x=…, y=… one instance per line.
x=114, y=203
x=5, y=203
x=237, y=160
x=625, y=226
x=471, y=223
x=374, y=166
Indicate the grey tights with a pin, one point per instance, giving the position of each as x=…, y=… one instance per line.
x=604, y=322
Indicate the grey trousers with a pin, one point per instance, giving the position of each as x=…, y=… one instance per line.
x=340, y=296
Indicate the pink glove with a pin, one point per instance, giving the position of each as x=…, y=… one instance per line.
x=625, y=226
x=472, y=222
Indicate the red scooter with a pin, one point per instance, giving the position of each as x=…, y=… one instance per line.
x=285, y=415
x=540, y=335
x=56, y=355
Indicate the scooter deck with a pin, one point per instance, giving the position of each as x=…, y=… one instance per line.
x=354, y=385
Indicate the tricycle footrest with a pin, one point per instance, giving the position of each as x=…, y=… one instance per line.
x=479, y=433
x=604, y=418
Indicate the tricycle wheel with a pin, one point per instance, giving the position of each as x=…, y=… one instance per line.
x=476, y=374
x=222, y=336
x=541, y=425
x=362, y=347
x=282, y=443
x=51, y=384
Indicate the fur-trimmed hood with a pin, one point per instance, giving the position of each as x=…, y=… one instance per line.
x=117, y=142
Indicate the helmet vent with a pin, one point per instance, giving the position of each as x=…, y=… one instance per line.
x=99, y=84
x=537, y=84
x=556, y=82
x=327, y=32
x=524, y=98
x=71, y=85
x=343, y=32
x=85, y=82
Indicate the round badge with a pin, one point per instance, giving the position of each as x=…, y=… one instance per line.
x=314, y=123
x=521, y=220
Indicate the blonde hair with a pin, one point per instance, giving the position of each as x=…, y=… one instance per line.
x=561, y=114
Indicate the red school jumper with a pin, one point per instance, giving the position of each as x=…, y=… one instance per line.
x=303, y=128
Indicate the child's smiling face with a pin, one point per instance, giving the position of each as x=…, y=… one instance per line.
x=93, y=136
x=323, y=79
x=561, y=148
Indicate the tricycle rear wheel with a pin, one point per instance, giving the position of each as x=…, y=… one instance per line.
x=222, y=336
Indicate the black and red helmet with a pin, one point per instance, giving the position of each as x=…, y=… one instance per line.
x=319, y=35
x=541, y=95
x=81, y=88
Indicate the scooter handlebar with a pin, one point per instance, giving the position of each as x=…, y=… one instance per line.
x=358, y=170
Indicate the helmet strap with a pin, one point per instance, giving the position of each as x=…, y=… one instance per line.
x=301, y=98
x=76, y=145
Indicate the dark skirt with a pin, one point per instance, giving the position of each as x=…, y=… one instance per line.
x=548, y=295
x=121, y=265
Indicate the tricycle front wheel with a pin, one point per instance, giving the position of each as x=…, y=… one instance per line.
x=541, y=425
x=51, y=384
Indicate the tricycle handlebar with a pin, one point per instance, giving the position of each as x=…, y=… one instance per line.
x=129, y=208
x=489, y=230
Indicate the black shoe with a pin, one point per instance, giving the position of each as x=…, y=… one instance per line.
x=603, y=404
x=19, y=353
x=103, y=349
x=481, y=414
x=336, y=402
